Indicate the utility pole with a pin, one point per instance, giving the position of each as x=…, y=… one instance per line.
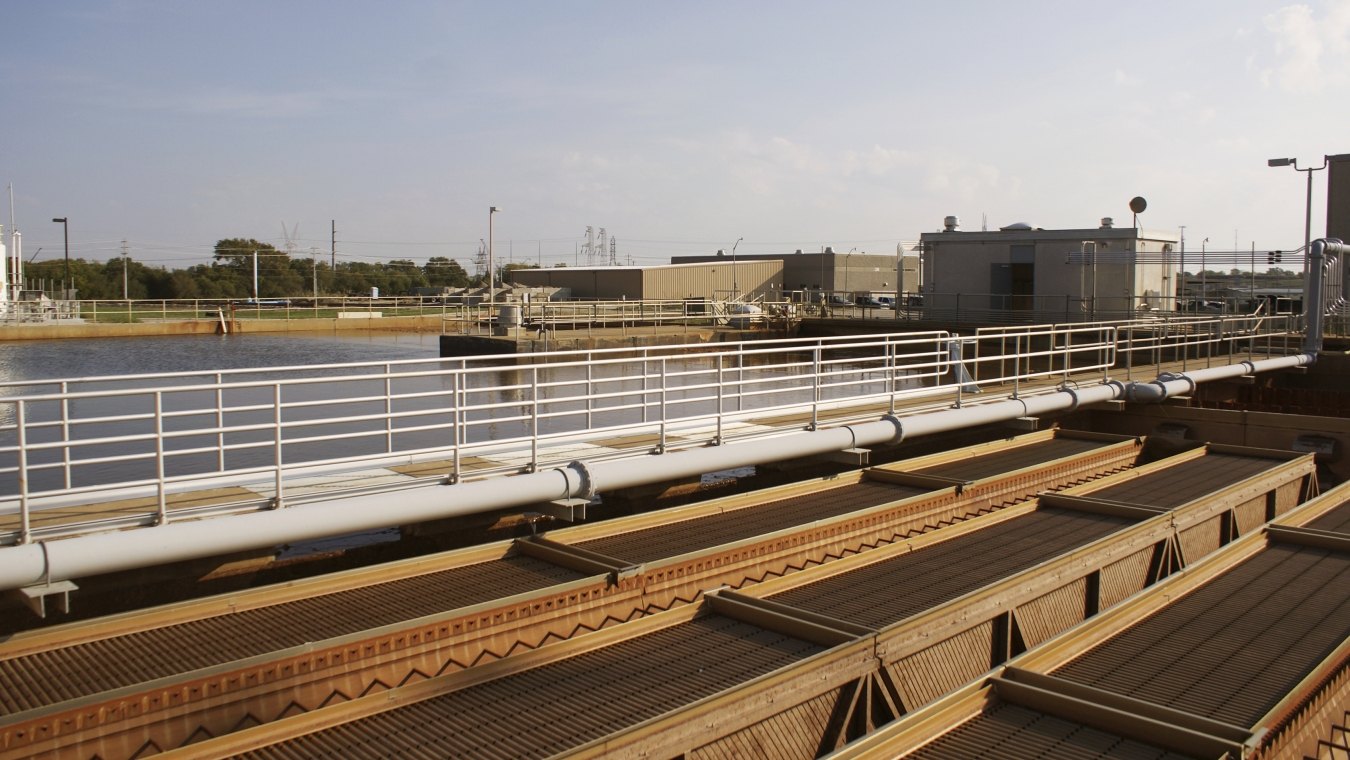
x=125, y=289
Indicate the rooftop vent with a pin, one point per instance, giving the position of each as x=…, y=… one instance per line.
x=1016, y=227
x=951, y=224
x=1107, y=222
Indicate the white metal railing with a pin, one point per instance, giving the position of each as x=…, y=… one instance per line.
x=299, y=433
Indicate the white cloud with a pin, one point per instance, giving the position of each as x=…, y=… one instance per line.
x=1124, y=79
x=1313, y=52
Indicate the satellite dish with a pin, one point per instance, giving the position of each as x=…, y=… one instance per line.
x=1138, y=204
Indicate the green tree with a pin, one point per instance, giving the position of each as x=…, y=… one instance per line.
x=445, y=272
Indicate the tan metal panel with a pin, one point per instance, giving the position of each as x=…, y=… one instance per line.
x=1048, y=615
x=1250, y=515
x=943, y=667
x=1199, y=541
x=1120, y=580
x=794, y=733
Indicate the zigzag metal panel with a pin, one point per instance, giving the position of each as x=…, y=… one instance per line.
x=1031, y=557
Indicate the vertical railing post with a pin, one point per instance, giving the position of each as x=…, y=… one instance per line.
x=278, y=502
x=740, y=377
x=590, y=397
x=25, y=524
x=220, y=423
x=1017, y=364
x=457, y=389
x=721, y=392
x=534, y=419
x=645, y=417
x=388, y=409
x=816, y=390
x=161, y=488
x=65, y=432
x=661, y=445
x=892, y=369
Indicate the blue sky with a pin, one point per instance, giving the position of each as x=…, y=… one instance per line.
x=679, y=127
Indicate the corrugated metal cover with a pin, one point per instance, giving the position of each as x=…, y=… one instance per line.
x=1233, y=648
x=883, y=593
x=1012, y=732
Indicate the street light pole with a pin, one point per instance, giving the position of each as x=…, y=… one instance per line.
x=735, y=286
x=65, y=229
x=1307, y=213
x=491, y=274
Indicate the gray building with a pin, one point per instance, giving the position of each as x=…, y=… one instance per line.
x=853, y=273
x=721, y=279
x=1076, y=274
x=1338, y=197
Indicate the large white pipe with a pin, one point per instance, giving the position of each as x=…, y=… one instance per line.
x=82, y=556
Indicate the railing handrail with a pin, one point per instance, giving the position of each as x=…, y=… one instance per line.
x=434, y=409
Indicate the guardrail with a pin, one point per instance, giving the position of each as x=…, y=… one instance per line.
x=295, y=430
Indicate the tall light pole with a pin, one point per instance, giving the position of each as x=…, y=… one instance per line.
x=735, y=286
x=1182, y=273
x=492, y=210
x=1204, y=288
x=1307, y=214
x=65, y=229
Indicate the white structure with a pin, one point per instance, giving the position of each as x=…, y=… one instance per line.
x=1100, y=273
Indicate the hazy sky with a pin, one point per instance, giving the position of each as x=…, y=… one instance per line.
x=679, y=127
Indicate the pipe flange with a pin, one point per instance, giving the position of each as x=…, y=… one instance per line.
x=899, y=428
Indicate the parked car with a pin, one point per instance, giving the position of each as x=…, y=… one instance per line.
x=837, y=300
x=886, y=302
x=867, y=302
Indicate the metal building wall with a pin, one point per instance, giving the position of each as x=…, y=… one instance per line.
x=1338, y=196
x=713, y=280
x=718, y=280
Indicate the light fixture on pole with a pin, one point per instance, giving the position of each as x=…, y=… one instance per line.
x=1307, y=214
x=735, y=286
x=492, y=210
x=65, y=229
x=1204, y=287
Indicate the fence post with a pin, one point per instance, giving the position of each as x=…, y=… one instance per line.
x=25, y=526
x=161, y=496
x=277, y=502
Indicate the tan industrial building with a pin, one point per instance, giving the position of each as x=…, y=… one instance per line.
x=1074, y=274
x=807, y=275
x=721, y=279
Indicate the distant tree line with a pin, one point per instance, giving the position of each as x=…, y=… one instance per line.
x=229, y=275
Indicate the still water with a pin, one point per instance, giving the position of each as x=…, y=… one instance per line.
x=42, y=359
x=496, y=402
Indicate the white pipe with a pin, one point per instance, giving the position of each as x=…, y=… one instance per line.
x=82, y=556
x=94, y=554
